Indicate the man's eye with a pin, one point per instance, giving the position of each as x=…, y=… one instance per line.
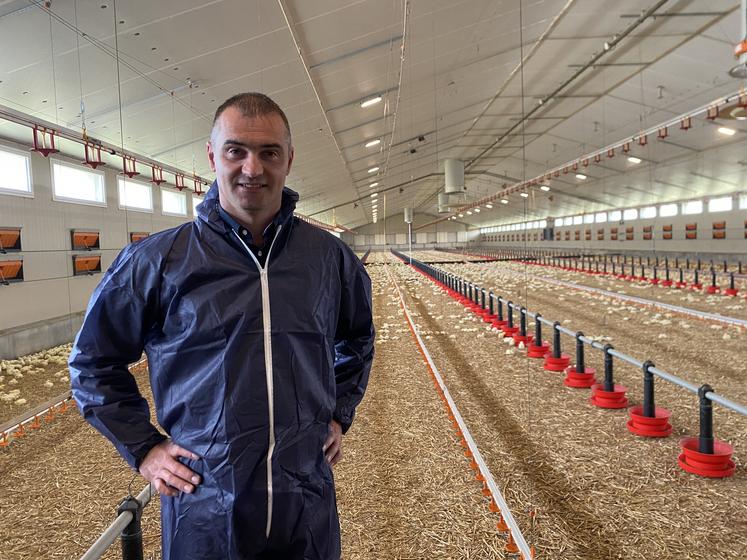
x=233, y=152
x=272, y=154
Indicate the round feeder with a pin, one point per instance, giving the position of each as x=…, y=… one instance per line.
x=579, y=380
x=500, y=324
x=731, y=291
x=715, y=465
x=534, y=351
x=646, y=426
x=713, y=289
x=526, y=339
x=667, y=283
x=608, y=399
x=557, y=364
x=654, y=280
x=488, y=318
x=680, y=285
x=695, y=286
x=509, y=331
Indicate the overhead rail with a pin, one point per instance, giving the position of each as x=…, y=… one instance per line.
x=704, y=455
x=661, y=131
x=126, y=526
x=507, y=522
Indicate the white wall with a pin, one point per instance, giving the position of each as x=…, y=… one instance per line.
x=735, y=241
x=49, y=289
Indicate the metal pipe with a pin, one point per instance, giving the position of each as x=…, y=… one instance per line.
x=110, y=534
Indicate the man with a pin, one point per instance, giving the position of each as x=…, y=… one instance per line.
x=259, y=337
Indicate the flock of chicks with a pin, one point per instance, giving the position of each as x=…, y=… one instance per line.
x=34, y=366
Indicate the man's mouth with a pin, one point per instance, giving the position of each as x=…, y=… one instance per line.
x=251, y=186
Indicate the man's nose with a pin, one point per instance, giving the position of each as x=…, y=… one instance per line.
x=252, y=165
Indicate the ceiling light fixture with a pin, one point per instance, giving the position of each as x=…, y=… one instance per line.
x=469, y=213
x=372, y=185
x=504, y=201
x=371, y=101
x=373, y=170
x=461, y=215
x=727, y=131
x=477, y=210
x=524, y=195
x=374, y=194
x=488, y=206
x=544, y=188
x=634, y=160
x=372, y=143
x=580, y=176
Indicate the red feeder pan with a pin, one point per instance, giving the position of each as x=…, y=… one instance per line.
x=509, y=331
x=716, y=465
x=730, y=292
x=526, y=339
x=654, y=280
x=579, y=380
x=557, y=364
x=694, y=286
x=534, y=351
x=488, y=318
x=608, y=399
x=680, y=285
x=713, y=289
x=667, y=283
x=646, y=426
x=500, y=324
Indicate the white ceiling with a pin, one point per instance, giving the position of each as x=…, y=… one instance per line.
x=457, y=56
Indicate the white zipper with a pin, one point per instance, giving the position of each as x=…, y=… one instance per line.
x=267, y=326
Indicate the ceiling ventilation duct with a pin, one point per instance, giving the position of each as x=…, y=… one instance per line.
x=443, y=203
x=454, y=175
x=408, y=215
x=740, y=70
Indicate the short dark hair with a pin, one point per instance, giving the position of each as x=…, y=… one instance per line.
x=253, y=104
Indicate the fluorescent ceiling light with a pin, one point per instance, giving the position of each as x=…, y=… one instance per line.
x=371, y=101
x=469, y=213
x=488, y=206
x=373, y=170
x=727, y=131
x=461, y=215
x=372, y=143
x=580, y=176
x=524, y=195
x=544, y=188
x=372, y=185
x=477, y=210
x=504, y=201
x=374, y=194
x=634, y=160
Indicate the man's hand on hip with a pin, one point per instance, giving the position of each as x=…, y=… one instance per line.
x=333, y=446
x=162, y=469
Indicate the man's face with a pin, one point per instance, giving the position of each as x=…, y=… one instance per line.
x=251, y=157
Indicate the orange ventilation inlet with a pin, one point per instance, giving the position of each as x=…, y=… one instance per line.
x=85, y=240
x=86, y=264
x=136, y=236
x=11, y=271
x=10, y=239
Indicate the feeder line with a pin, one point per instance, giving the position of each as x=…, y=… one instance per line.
x=29, y=417
x=495, y=492
x=669, y=307
x=111, y=533
x=712, y=396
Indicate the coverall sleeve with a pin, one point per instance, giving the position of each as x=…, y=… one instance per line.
x=119, y=315
x=354, y=340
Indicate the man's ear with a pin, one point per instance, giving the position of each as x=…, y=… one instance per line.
x=211, y=155
x=291, y=153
